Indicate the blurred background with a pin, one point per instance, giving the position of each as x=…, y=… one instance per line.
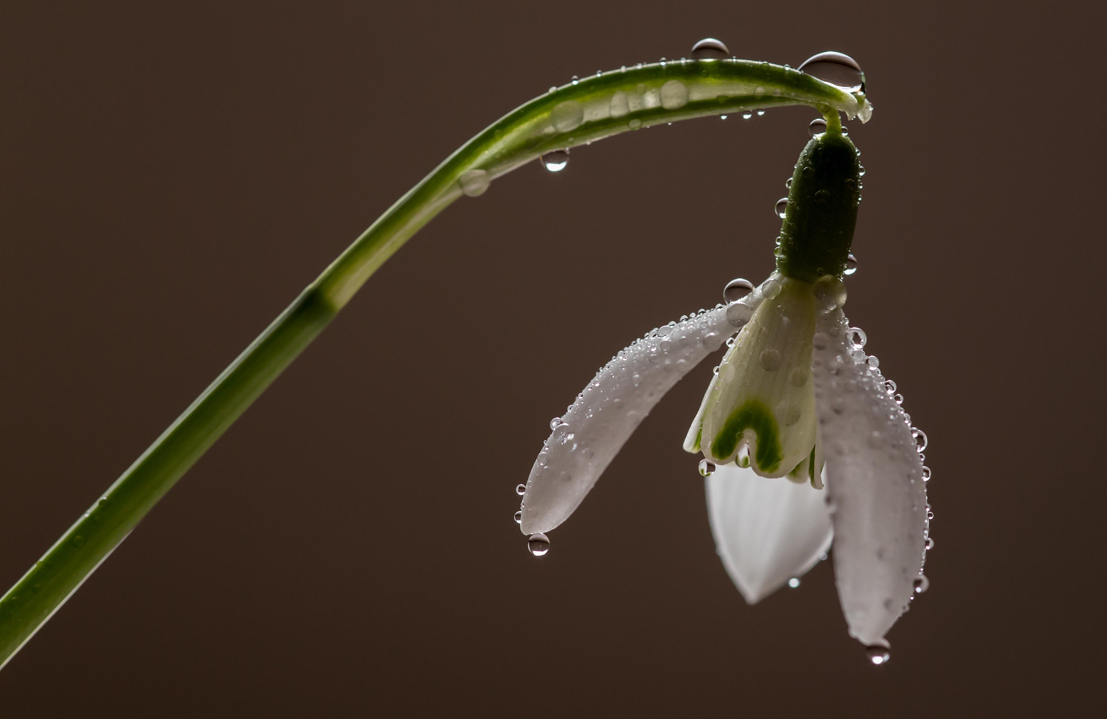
x=171, y=177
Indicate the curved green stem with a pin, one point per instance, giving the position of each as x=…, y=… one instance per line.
x=585, y=111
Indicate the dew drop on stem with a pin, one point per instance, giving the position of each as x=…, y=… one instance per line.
x=556, y=160
x=781, y=207
x=851, y=265
x=710, y=49
x=835, y=68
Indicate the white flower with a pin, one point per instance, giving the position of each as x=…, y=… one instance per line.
x=795, y=403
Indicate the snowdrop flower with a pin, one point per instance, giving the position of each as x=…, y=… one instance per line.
x=803, y=440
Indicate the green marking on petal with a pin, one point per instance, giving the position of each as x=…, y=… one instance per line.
x=756, y=415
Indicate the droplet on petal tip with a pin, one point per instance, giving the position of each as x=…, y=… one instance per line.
x=878, y=655
x=538, y=544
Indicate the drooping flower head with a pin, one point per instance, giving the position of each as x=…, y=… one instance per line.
x=804, y=441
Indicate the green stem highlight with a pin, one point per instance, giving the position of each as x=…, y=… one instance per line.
x=583, y=112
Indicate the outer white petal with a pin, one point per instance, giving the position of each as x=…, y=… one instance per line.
x=766, y=530
x=874, y=479
x=611, y=407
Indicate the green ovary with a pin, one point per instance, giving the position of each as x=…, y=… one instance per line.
x=753, y=414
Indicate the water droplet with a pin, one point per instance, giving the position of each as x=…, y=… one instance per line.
x=709, y=49
x=760, y=113
x=898, y=398
x=878, y=655
x=794, y=582
x=817, y=126
x=575, y=80
x=837, y=69
x=567, y=115
x=788, y=183
x=556, y=161
x=929, y=543
x=555, y=422
x=770, y=360
x=872, y=361
x=519, y=517
x=747, y=115
x=707, y=468
x=474, y=182
x=799, y=377
x=921, y=584
x=926, y=474
x=737, y=289
x=634, y=124
x=674, y=95
x=738, y=314
x=520, y=489
x=538, y=544
x=823, y=556
x=831, y=292
x=620, y=104
x=920, y=439
x=722, y=117
x=781, y=207
x=851, y=265
x=771, y=288
x=553, y=89
x=857, y=337
x=889, y=386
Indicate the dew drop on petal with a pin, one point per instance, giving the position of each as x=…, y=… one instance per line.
x=921, y=584
x=709, y=49
x=538, y=544
x=851, y=265
x=555, y=422
x=878, y=655
x=737, y=289
x=556, y=160
x=781, y=207
x=831, y=292
x=707, y=468
x=521, y=489
x=889, y=386
x=873, y=362
x=817, y=127
x=926, y=474
x=770, y=360
x=519, y=517
x=857, y=337
x=898, y=398
x=794, y=582
x=920, y=439
x=929, y=543
x=738, y=314
x=835, y=68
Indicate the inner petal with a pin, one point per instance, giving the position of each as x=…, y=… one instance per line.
x=763, y=397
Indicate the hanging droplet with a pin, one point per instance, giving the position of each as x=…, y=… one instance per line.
x=760, y=113
x=817, y=126
x=709, y=49
x=747, y=115
x=926, y=474
x=736, y=289
x=878, y=655
x=556, y=161
x=707, y=468
x=857, y=337
x=921, y=584
x=920, y=439
x=538, y=544
x=474, y=182
x=929, y=543
x=519, y=517
x=837, y=69
x=520, y=489
x=794, y=582
x=781, y=207
x=851, y=265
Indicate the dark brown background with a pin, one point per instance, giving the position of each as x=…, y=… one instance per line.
x=169, y=180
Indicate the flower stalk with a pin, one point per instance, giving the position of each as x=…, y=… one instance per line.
x=582, y=112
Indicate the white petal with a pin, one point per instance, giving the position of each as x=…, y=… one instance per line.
x=767, y=530
x=609, y=410
x=874, y=477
